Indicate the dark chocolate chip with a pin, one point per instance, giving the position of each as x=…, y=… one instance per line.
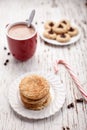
x=64, y=22
x=60, y=26
x=8, y=53
x=5, y=48
x=51, y=24
x=71, y=29
x=71, y=105
x=51, y=31
x=80, y=100
x=63, y=35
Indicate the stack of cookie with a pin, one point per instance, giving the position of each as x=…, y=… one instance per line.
x=61, y=31
x=35, y=92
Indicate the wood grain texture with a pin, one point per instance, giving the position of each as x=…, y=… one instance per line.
x=45, y=56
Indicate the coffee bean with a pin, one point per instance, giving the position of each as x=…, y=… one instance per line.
x=7, y=61
x=63, y=128
x=80, y=100
x=71, y=105
x=67, y=128
x=8, y=53
x=5, y=48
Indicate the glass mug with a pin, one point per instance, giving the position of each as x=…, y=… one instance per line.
x=22, y=49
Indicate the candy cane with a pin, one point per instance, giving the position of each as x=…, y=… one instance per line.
x=77, y=82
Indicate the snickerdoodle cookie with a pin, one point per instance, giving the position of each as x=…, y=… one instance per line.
x=35, y=92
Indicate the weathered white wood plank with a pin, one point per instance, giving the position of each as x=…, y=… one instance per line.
x=45, y=56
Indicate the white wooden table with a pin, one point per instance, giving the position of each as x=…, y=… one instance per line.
x=44, y=58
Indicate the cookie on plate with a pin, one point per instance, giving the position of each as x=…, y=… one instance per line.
x=60, y=28
x=66, y=22
x=50, y=34
x=34, y=92
x=37, y=106
x=72, y=31
x=49, y=25
x=63, y=38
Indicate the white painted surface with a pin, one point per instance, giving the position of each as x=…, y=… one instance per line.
x=45, y=56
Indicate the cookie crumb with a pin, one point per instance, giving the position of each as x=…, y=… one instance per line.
x=80, y=100
x=71, y=105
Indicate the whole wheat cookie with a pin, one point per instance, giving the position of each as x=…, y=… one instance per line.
x=60, y=28
x=49, y=25
x=63, y=37
x=66, y=22
x=50, y=34
x=72, y=31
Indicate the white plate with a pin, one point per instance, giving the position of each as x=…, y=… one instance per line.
x=54, y=42
x=57, y=91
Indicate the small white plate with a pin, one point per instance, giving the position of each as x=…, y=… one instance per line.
x=54, y=42
x=57, y=91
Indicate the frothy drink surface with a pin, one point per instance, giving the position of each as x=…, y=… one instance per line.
x=21, y=31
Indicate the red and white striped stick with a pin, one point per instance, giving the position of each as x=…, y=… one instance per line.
x=77, y=82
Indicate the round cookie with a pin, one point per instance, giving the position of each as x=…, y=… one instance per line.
x=72, y=31
x=60, y=28
x=49, y=25
x=29, y=101
x=63, y=38
x=66, y=22
x=36, y=106
x=34, y=87
x=50, y=34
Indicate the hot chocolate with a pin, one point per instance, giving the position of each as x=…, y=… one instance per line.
x=20, y=31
